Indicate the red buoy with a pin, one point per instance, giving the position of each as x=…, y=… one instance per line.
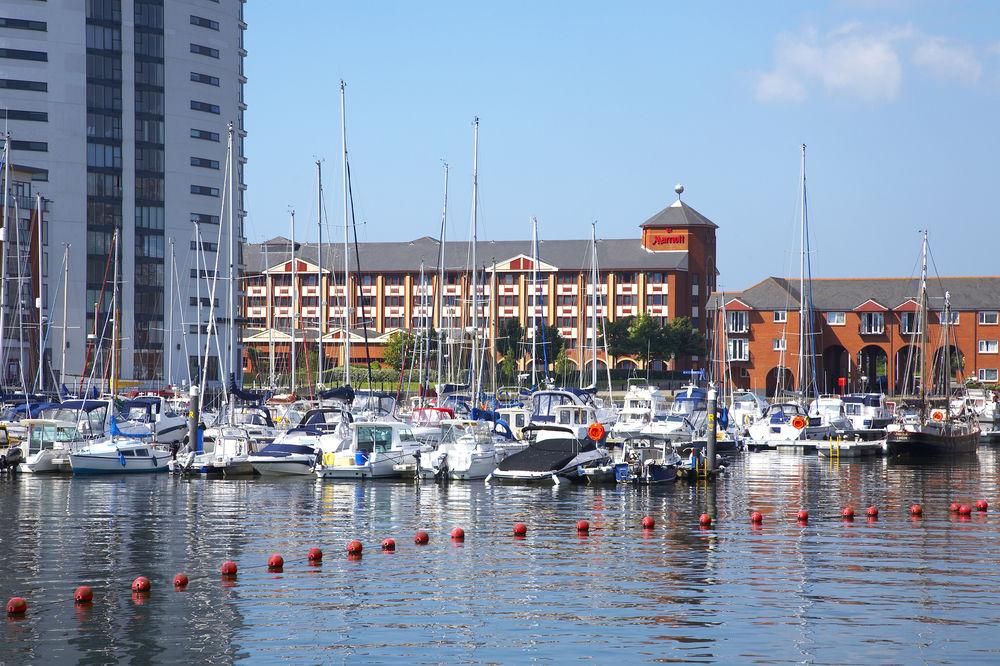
x=141, y=585
x=83, y=594
x=275, y=562
x=315, y=555
x=982, y=505
x=756, y=518
x=848, y=513
x=181, y=581
x=421, y=538
x=582, y=526
x=871, y=512
x=648, y=523
x=520, y=529
x=228, y=568
x=354, y=548
x=458, y=534
x=705, y=520
x=17, y=606
x=389, y=545
x=916, y=510
x=964, y=510
x=954, y=507
x=802, y=516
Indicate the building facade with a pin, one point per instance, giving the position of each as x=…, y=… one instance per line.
x=120, y=108
x=867, y=333
x=667, y=272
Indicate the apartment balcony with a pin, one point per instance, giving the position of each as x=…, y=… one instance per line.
x=602, y=289
x=656, y=288
x=567, y=290
x=257, y=291
x=394, y=311
x=569, y=333
x=394, y=290
x=453, y=290
x=627, y=310
x=657, y=310
x=283, y=291
x=310, y=312
x=626, y=289
x=310, y=291
x=566, y=311
x=538, y=290
x=338, y=291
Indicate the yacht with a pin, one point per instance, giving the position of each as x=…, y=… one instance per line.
x=643, y=405
x=48, y=445
x=376, y=449
x=298, y=450
x=784, y=422
x=429, y=423
x=686, y=419
x=119, y=453
x=646, y=461
x=466, y=451
x=168, y=426
x=867, y=412
x=557, y=451
x=745, y=409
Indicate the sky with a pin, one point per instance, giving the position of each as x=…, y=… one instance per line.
x=594, y=111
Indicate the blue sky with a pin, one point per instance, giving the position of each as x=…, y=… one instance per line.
x=593, y=111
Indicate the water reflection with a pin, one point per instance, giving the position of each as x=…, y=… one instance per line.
x=893, y=589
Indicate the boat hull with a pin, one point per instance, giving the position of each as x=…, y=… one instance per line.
x=921, y=444
x=286, y=466
x=109, y=463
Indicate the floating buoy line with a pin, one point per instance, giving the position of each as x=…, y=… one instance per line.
x=142, y=586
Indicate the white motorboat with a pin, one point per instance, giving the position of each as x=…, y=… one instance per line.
x=867, y=412
x=643, y=405
x=376, y=449
x=744, y=410
x=646, y=461
x=298, y=450
x=555, y=454
x=686, y=419
x=428, y=423
x=787, y=422
x=224, y=450
x=119, y=454
x=466, y=451
x=168, y=426
x=48, y=445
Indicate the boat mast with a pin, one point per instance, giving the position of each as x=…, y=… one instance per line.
x=533, y=298
x=593, y=301
x=802, y=280
x=114, y=320
x=923, y=322
x=270, y=328
x=38, y=300
x=3, y=254
x=294, y=304
x=347, y=263
x=170, y=317
x=440, y=286
x=475, y=270
x=233, y=275
x=947, y=350
x=62, y=363
x=319, y=268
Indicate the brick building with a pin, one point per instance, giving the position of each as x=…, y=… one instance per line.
x=866, y=331
x=667, y=271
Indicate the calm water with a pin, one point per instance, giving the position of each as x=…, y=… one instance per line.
x=897, y=590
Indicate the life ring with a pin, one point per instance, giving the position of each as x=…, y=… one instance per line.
x=937, y=415
x=798, y=422
x=596, y=431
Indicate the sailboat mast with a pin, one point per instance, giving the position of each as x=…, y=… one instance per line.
x=533, y=298
x=475, y=265
x=114, y=320
x=295, y=301
x=170, y=316
x=65, y=326
x=38, y=301
x=270, y=328
x=802, y=280
x=422, y=342
x=923, y=321
x=3, y=252
x=947, y=348
x=593, y=303
x=440, y=286
x=319, y=268
x=347, y=264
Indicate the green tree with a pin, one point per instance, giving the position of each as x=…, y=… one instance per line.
x=510, y=336
x=554, y=343
x=564, y=367
x=398, y=347
x=615, y=335
x=681, y=339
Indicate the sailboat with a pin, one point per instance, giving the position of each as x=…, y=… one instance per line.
x=929, y=427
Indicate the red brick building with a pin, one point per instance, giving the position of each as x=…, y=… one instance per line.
x=865, y=330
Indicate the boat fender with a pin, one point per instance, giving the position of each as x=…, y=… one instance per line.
x=121, y=458
x=153, y=455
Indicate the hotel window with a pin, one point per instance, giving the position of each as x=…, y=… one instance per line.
x=909, y=323
x=656, y=278
x=367, y=279
x=988, y=318
x=872, y=323
x=204, y=135
x=566, y=299
x=21, y=84
x=34, y=116
x=566, y=322
x=204, y=218
x=205, y=50
x=952, y=317
x=780, y=316
x=204, y=163
x=507, y=301
x=988, y=374
x=23, y=24
x=656, y=299
x=392, y=322
x=988, y=347
x=35, y=146
x=452, y=278
x=19, y=54
x=739, y=349
x=393, y=280
x=779, y=344
x=566, y=278
x=204, y=106
x=392, y=301
x=205, y=191
x=626, y=300
x=625, y=278
x=507, y=278
x=205, y=78
x=204, y=22
x=737, y=322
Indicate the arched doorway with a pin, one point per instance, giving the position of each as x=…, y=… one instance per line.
x=957, y=363
x=834, y=367
x=779, y=379
x=872, y=374
x=909, y=370
x=626, y=364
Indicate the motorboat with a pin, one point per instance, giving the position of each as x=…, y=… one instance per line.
x=517, y=418
x=830, y=411
x=373, y=405
x=376, y=450
x=285, y=457
x=224, y=450
x=168, y=426
x=555, y=453
x=428, y=423
x=119, y=454
x=256, y=421
x=48, y=445
x=785, y=422
x=466, y=451
x=745, y=409
x=979, y=402
x=11, y=450
x=868, y=413
x=686, y=419
x=643, y=405
x=646, y=461
x=546, y=403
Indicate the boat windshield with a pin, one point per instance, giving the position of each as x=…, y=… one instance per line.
x=373, y=438
x=250, y=418
x=46, y=437
x=543, y=405
x=137, y=412
x=90, y=421
x=686, y=406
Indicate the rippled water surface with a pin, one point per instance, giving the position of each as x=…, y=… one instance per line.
x=894, y=590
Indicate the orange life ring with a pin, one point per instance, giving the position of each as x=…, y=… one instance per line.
x=596, y=432
x=798, y=422
x=937, y=415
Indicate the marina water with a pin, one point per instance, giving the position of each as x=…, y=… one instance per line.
x=898, y=589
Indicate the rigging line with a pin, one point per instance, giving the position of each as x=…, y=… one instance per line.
x=357, y=258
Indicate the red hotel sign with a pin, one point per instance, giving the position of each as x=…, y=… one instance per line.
x=666, y=239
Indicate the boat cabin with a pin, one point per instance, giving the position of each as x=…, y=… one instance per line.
x=431, y=416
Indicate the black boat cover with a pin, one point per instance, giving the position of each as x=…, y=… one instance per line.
x=548, y=455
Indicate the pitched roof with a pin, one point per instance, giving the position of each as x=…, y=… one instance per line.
x=846, y=294
x=679, y=214
x=405, y=256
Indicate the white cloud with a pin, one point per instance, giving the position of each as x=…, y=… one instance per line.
x=951, y=62
x=856, y=62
